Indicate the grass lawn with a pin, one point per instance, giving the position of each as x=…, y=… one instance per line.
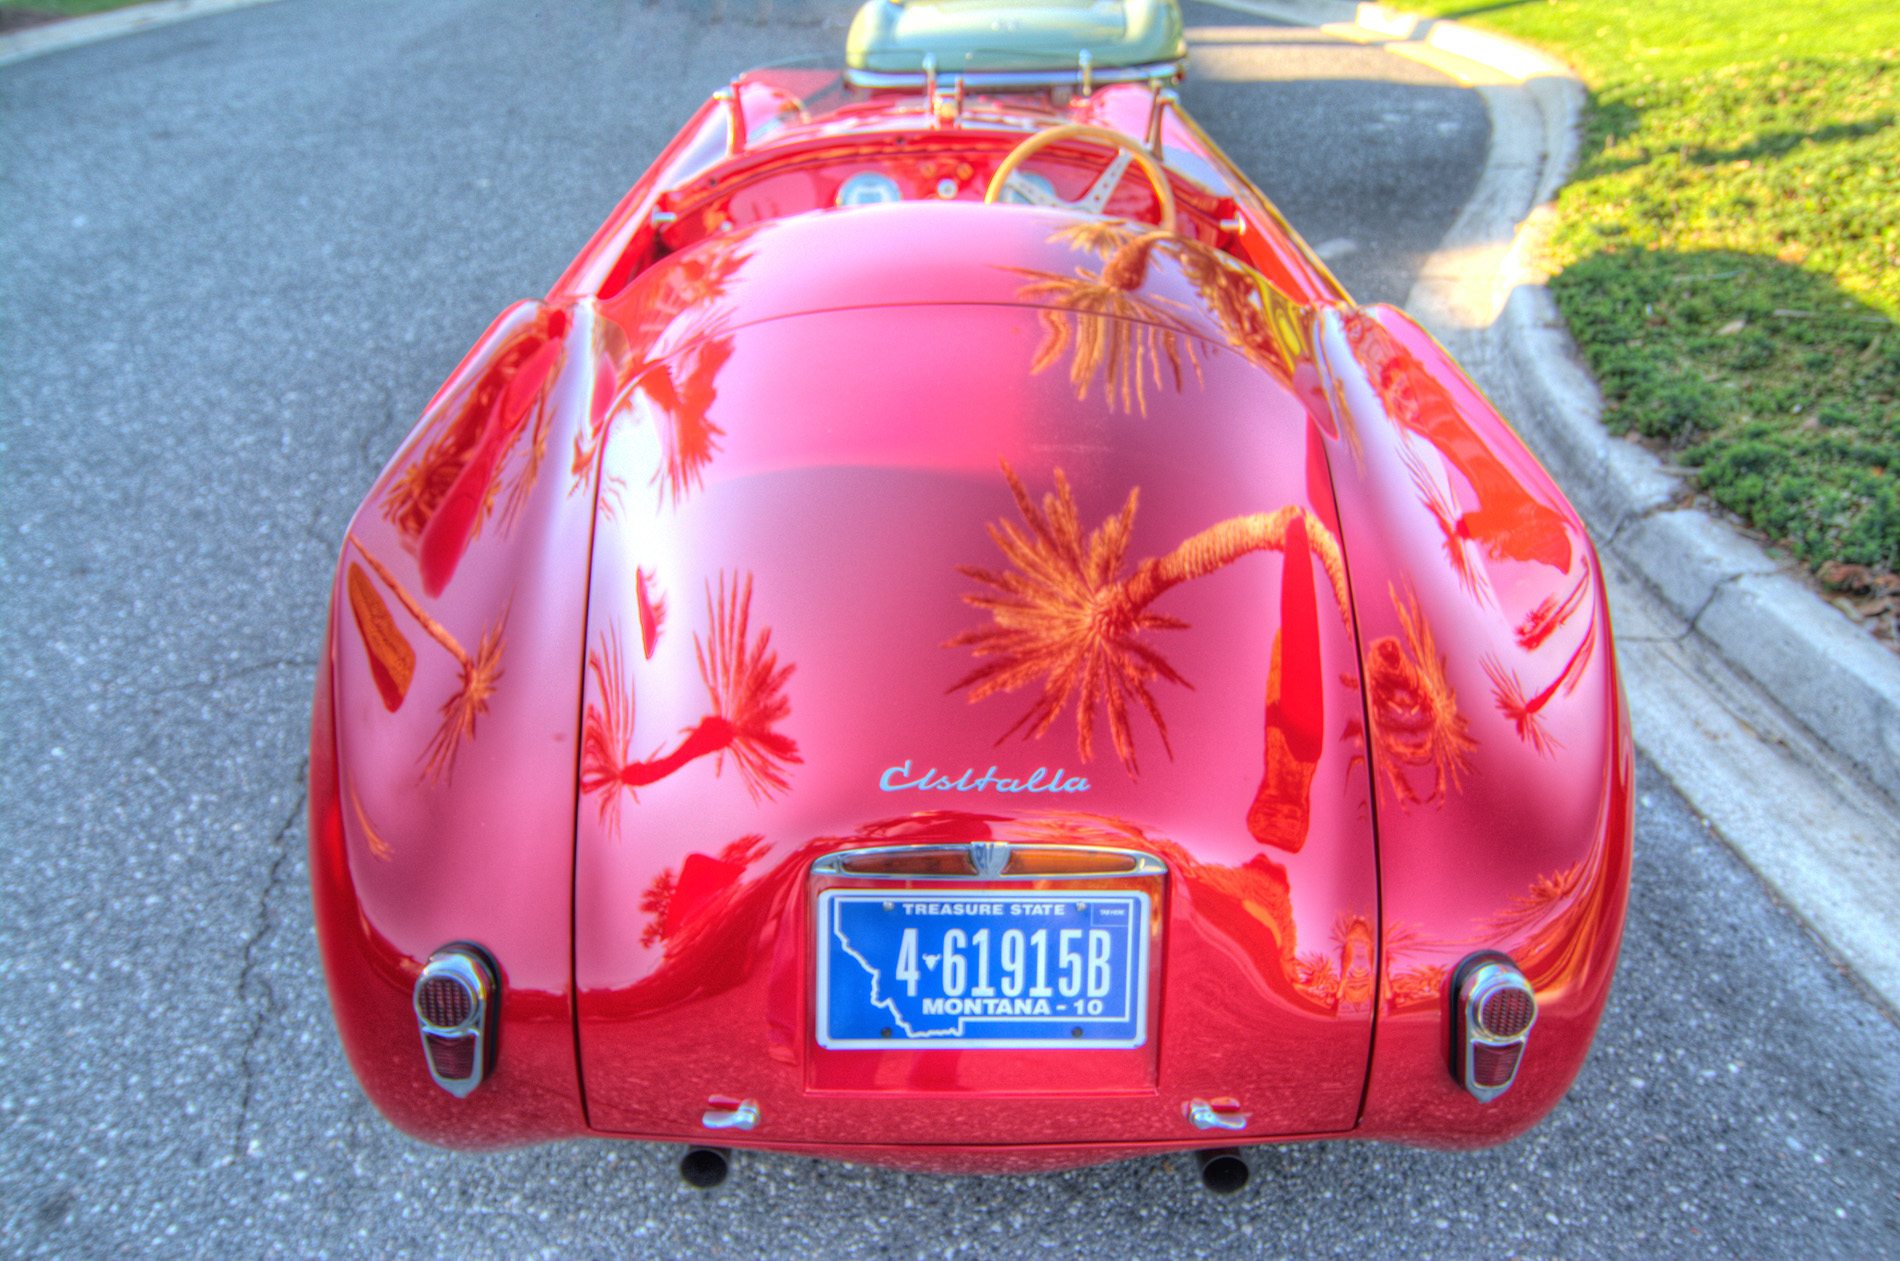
x=1728, y=252
x=68, y=8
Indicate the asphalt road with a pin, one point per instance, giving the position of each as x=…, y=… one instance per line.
x=236, y=257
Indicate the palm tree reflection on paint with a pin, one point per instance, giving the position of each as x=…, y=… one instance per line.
x=447, y=490
x=1548, y=897
x=1526, y=713
x=1415, y=717
x=685, y=390
x=1461, y=549
x=1316, y=976
x=1342, y=982
x=607, y=729
x=674, y=904
x=651, y=609
x=1259, y=321
x=379, y=848
x=746, y=686
x=1124, y=334
x=480, y=674
x=1549, y=614
x=1114, y=328
x=523, y=481
x=1422, y=984
x=693, y=285
x=1556, y=924
x=1065, y=617
x=683, y=306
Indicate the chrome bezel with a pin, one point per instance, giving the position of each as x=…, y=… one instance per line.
x=833, y=864
x=1204, y=1115
x=469, y=967
x=1476, y=980
x=742, y=1116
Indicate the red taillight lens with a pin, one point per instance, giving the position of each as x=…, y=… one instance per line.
x=452, y=1058
x=443, y=1001
x=1495, y=1066
x=1507, y=1013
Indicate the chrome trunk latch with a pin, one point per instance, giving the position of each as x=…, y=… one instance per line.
x=1217, y=1114
x=990, y=858
x=726, y=1115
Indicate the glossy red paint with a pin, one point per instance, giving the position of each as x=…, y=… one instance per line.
x=450, y=815
x=1505, y=800
x=774, y=533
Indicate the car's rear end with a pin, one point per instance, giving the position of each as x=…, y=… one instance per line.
x=967, y=687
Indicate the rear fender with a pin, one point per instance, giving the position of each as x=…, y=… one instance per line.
x=1494, y=723
x=444, y=745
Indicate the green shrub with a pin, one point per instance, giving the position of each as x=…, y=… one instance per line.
x=1727, y=254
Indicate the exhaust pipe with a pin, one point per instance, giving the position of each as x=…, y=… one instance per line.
x=1223, y=1169
x=705, y=1167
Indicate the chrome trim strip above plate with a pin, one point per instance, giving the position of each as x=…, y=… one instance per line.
x=981, y=857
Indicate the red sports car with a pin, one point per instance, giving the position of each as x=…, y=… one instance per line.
x=948, y=640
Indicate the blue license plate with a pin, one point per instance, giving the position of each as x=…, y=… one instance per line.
x=982, y=969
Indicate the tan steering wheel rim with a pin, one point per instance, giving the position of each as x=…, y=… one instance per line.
x=1101, y=135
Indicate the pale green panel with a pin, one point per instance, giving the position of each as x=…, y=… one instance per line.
x=1012, y=35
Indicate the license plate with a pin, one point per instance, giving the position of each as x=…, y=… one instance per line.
x=982, y=969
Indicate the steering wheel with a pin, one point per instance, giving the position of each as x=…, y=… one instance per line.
x=1128, y=150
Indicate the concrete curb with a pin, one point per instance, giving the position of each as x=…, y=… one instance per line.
x=1773, y=715
x=75, y=31
x=1839, y=683
x=1478, y=295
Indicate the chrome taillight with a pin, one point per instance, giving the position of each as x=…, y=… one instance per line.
x=1493, y=1009
x=455, y=1003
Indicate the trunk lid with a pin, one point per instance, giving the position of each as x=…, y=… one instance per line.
x=856, y=570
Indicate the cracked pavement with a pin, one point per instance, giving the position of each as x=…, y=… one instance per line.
x=243, y=252
x=254, y=988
